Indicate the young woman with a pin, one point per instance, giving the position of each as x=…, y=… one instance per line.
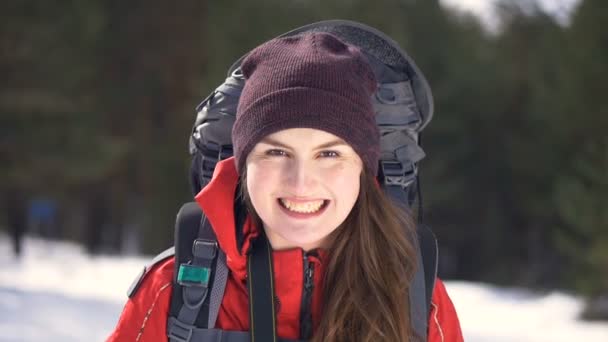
x=306, y=151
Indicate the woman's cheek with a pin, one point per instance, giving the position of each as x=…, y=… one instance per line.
x=342, y=172
x=265, y=170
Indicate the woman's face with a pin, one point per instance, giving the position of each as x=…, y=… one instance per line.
x=302, y=183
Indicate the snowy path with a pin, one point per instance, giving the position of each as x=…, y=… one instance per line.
x=58, y=293
x=48, y=316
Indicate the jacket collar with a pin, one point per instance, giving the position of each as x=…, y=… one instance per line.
x=217, y=202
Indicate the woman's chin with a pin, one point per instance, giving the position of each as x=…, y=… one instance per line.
x=294, y=238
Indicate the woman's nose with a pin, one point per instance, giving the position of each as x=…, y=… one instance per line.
x=300, y=177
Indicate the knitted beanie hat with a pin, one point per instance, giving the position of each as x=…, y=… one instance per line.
x=313, y=80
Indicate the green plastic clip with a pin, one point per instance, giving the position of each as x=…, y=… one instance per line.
x=189, y=275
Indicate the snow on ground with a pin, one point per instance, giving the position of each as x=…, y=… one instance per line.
x=489, y=313
x=27, y=315
x=58, y=293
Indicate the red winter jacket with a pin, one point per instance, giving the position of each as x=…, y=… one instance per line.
x=144, y=317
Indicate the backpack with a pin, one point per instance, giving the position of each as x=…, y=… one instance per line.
x=403, y=105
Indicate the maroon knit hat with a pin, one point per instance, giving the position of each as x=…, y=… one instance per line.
x=313, y=80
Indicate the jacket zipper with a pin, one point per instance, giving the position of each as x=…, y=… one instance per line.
x=305, y=311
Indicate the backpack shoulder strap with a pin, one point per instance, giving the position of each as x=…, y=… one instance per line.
x=200, y=275
x=430, y=258
x=421, y=290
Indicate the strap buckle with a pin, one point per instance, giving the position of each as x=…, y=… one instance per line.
x=212, y=154
x=191, y=275
x=204, y=249
x=198, y=272
x=395, y=173
x=179, y=331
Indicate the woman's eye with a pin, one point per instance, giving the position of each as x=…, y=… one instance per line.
x=276, y=153
x=329, y=154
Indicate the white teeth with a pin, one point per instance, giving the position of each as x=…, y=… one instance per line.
x=305, y=208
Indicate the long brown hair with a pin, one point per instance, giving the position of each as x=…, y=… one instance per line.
x=372, y=259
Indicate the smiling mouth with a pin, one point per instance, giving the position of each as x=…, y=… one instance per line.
x=303, y=208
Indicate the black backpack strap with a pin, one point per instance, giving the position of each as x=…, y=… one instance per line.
x=418, y=309
x=430, y=257
x=218, y=288
x=261, y=292
x=197, y=260
x=421, y=290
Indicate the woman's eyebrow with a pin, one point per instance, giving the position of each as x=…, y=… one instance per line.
x=271, y=141
x=331, y=144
